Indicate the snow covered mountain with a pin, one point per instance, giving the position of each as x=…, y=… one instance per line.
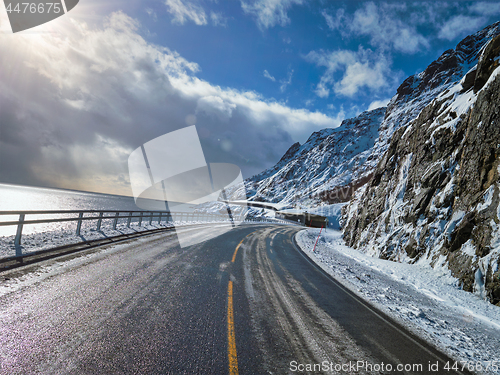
x=434, y=196
x=332, y=163
x=310, y=173
x=421, y=176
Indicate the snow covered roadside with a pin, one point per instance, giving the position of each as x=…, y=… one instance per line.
x=428, y=302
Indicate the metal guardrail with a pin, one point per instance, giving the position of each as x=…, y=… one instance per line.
x=115, y=216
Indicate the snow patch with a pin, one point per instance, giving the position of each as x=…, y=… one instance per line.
x=487, y=199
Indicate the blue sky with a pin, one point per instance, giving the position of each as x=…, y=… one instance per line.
x=282, y=49
x=80, y=93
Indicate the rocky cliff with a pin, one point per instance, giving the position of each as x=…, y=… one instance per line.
x=434, y=195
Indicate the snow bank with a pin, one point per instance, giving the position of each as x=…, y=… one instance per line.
x=428, y=302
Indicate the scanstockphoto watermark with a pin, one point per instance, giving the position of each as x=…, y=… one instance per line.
x=26, y=14
x=425, y=368
x=361, y=367
x=337, y=194
x=171, y=173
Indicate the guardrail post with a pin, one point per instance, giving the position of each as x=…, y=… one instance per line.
x=129, y=219
x=79, y=225
x=140, y=219
x=19, y=232
x=159, y=219
x=99, y=222
x=150, y=218
x=116, y=220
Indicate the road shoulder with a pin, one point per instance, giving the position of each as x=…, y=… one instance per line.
x=425, y=302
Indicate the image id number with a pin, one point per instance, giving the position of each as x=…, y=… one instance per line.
x=38, y=8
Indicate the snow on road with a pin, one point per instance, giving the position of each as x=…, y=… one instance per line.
x=428, y=302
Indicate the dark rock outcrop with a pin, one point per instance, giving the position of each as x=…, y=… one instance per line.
x=488, y=62
x=290, y=153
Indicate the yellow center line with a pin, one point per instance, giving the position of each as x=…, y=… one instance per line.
x=231, y=337
x=236, y=251
x=237, y=247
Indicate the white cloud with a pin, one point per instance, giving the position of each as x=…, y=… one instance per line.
x=215, y=106
x=218, y=19
x=270, y=12
x=152, y=14
x=363, y=74
x=360, y=70
x=383, y=24
x=378, y=104
x=184, y=11
x=334, y=22
x=268, y=76
x=287, y=81
x=77, y=101
x=459, y=26
x=385, y=28
x=485, y=8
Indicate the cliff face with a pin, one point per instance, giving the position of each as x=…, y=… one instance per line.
x=434, y=196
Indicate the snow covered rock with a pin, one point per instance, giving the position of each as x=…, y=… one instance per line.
x=434, y=196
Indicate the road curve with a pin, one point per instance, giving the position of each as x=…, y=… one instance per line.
x=245, y=302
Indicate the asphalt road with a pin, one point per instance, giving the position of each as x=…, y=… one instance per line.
x=246, y=302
